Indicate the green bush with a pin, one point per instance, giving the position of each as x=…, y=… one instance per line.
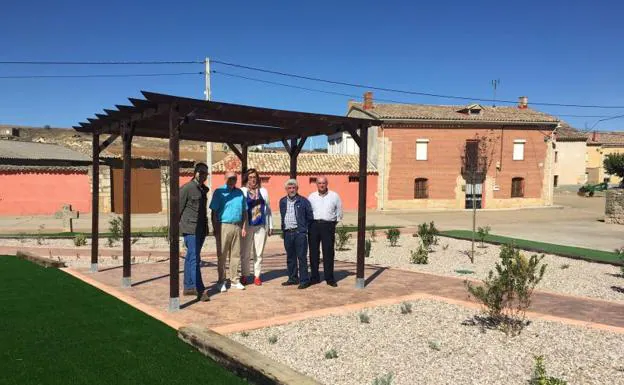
x=367, y=248
x=406, y=308
x=540, y=377
x=331, y=354
x=507, y=293
x=420, y=256
x=483, y=232
x=342, y=237
x=620, y=253
x=114, y=228
x=273, y=340
x=80, y=240
x=428, y=234
x=393, y=235
x=364, y=318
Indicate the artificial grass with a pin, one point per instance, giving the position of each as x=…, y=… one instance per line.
x=55, y=329
x=542, y=247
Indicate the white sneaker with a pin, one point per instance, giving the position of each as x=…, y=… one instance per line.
x=239, y=286
x=223, y=287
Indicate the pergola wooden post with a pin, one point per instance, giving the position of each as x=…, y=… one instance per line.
x=174, y=210
x=361, y=139
x=163, y=116
x=293, y=149
x=95, y=201
x=126, y=132
x=95, y=195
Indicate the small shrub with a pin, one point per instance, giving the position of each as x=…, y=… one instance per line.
x=244, y=334
x=364, y=318
x=445, y=247
x=273, y=339
x=507, y=294
x=540, y=377
x=406, y=308
x=342, y=237
x=464, y=271
x=420, y=256
x=483, y=232
x=564, y=266
x=373, y=233
x=393, y=235
x=620, y=252
x=428, y=234
x=331, y=354
x=114, y=228
x=386, y=379
x=80, y=240
x=367, y=248
x=435, y=345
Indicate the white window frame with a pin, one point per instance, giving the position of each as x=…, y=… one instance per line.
x=518, y=144
x=423, y=144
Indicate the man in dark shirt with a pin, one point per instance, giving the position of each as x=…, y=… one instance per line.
x=194, y=228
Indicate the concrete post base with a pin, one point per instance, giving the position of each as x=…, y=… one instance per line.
x=126, y=282
x=174, y=304
x=360, y=283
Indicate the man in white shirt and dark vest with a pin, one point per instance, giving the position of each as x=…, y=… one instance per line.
x=327, y=211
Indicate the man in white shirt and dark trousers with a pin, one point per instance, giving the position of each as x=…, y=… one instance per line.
x=327, y=211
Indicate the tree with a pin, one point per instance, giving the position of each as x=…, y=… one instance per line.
x=614, y=165
x=476, y=158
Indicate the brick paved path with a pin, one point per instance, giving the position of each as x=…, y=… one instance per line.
x=151, y=286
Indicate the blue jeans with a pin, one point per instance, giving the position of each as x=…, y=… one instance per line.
x=192, y=272
x=296, y=245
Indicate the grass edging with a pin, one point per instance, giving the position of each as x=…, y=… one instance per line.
x=244, y=362
x=41, y=261
x=589, y=255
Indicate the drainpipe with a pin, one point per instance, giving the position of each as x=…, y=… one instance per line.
x=383, y=172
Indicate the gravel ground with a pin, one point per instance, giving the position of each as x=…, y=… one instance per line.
x=431, y=346
x=580, y=278
x=150, y=243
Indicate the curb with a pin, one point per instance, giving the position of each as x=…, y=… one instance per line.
x=246, y=363
x=45, y=262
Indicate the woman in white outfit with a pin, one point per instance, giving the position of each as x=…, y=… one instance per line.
x=259, y=225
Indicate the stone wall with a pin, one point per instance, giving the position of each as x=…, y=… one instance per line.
x=614, y=208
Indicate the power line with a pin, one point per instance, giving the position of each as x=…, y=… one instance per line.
x=100, y=75
x=366, y=86
x=138, y=62
x=305, y=77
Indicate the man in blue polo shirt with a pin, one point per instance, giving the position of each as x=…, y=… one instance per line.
x=229, y=215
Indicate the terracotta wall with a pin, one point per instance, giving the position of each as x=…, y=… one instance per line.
x=443, y=163
x=348, y=191
x=43, y=193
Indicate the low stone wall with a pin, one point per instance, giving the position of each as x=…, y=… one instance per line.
x=614, y=207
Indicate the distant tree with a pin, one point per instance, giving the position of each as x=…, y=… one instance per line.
x=47, y=127
x=614, y=165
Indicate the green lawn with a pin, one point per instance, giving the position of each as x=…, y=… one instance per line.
x=55, y=329
x=548, y=248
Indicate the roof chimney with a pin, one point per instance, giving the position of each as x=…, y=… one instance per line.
x=595, y=136
x=368, y=100
x=523, y=102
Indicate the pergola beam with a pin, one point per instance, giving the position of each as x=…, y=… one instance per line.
x=174, y=211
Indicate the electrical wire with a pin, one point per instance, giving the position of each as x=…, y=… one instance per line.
x=100, y=75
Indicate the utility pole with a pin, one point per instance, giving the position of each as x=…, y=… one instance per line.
x=207, y=93
x=495, y=84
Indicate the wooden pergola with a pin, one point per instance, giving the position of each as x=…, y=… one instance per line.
x=239, y=126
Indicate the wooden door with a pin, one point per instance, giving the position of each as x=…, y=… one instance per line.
x=145, y=184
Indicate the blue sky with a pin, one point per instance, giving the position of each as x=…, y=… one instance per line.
x=561, y=51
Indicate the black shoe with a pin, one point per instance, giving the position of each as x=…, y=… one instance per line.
x=304, y=285
x=332, y=283
x=315, y=281
x=289, y=283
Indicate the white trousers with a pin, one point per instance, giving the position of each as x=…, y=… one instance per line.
x=252, y=248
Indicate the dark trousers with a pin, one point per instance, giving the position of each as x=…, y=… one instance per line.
x=296, y=245
x=322, y=234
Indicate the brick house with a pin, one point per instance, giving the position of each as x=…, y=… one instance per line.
x=274, y=168
x=418, y=153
